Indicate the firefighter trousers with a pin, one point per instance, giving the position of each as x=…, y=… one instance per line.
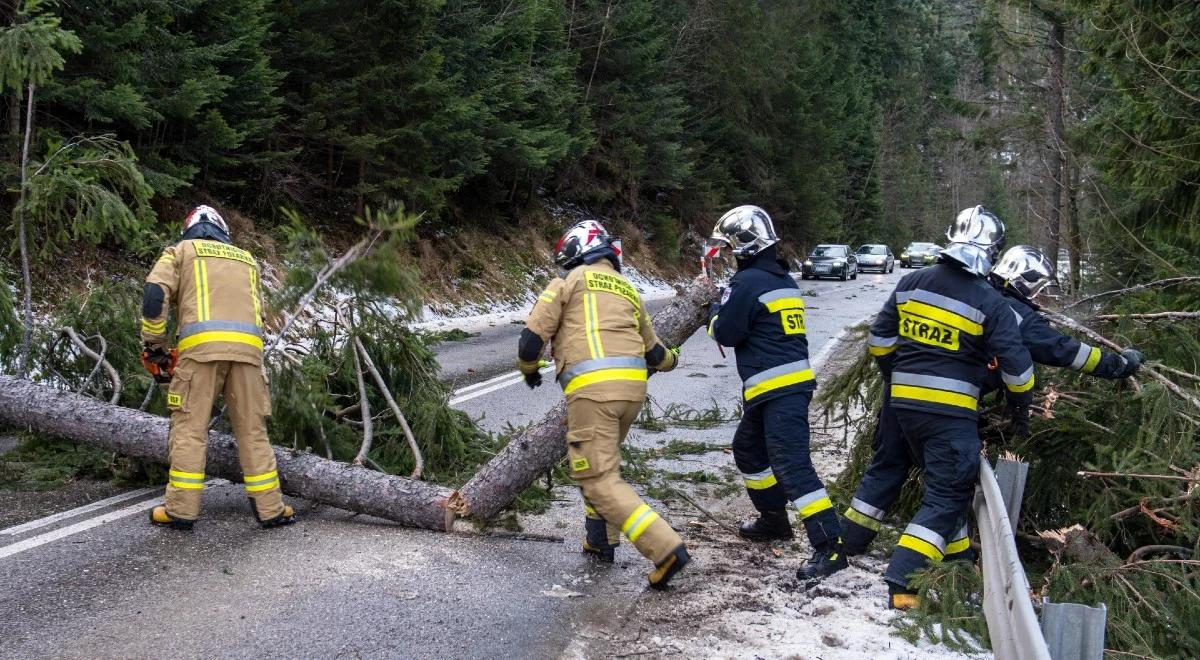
x=771, y=450
x=595, y=430
x=881, y=485
x=194, y=388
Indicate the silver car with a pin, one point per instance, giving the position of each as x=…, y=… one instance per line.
x=877, y=257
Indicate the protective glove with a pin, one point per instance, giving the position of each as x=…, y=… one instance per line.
x=1019, y=417
x=1133, y=361
x=534, y=379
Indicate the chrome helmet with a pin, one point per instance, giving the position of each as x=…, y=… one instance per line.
x=585, y=238
x=976, y=238
x=205, y=214
x=746, y=230
x=1024, y=268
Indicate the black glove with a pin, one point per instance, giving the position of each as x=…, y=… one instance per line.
x=534, y=379
x=1133, y=361
x=1019, y=416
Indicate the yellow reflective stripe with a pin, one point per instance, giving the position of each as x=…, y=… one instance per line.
x=547, y=296
x=935, y=396
x=815, y=508
x=921, y=546
x=154, y=328
x=186, y=475
x=761, y=484
x=1028, y=385
x=777, y=382
x=200, y=270
x=186, y=485
x=955, y=547
x=637, y=522
x=590, y=510
x=862, y=519
x=880, y=351
x=253, y=478
x=604, y=375
x=942, y=316
x=220, y=335
x=1090, y=365
x=712, y=323
x=591, y=326
x=167, y=256
x=254, y=295
x=261, y=487
x=785, y=303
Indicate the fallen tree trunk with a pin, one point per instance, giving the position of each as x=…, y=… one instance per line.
x=529, y=455
x=44, y=409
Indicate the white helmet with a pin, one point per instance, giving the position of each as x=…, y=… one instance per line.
x=976, y=238
x=1025, y=269
x=585, y=238
x=205, y=214
x=746, y=230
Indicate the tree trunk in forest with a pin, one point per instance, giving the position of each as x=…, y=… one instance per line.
x=529, y=455
x=1074, y=234
x=1056, y=145
x=23, y=241
x=44, y=409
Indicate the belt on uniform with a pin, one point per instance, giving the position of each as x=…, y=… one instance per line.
x=776, y=378
x=204, y=332
x=602, y=370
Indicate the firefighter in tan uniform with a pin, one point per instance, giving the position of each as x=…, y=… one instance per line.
x=214, y=287
x=602, y=341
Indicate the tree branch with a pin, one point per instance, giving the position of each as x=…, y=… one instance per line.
x=365, y=406
x=1140, y=287
x=1155, y=316
x=100, y=361
x=419, y=460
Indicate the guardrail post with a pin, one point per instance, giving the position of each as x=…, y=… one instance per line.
x=1011, y=476
x=1073, y=631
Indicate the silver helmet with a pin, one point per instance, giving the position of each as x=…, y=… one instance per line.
x=1025, y=269
x=976, y=238
x=746, y=230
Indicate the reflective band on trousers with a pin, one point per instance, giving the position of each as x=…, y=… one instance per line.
x=813, y=503
x=861, y=519
x=924, y=541
x=637, y=522
x=186, y=480
x=935, y=389
x=590, y=372
x=777, y=377
x=203, y=332
x=259, y=482
x=760, y=480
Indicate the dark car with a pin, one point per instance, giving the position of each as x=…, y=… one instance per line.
x=830, y=261
x=876, y=257
x=917, y=255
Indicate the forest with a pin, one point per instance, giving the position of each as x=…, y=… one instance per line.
x=432, y=125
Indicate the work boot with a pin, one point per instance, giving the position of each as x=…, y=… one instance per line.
x=286, y=517
x=901, y=598
x=596, y=542
x=667, y=568
x=770, y=526
x=825, y=561
x=160, y=517
x=605, y=553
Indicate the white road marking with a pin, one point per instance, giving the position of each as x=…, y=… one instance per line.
x=497, y=383
x=88, y=508
x=84, y=525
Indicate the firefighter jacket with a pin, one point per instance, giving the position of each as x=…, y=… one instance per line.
x=215, y=290
x=940, y=328
x=601, y=337
x=761, y=316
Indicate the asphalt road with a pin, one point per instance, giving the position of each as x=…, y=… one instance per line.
x=104, y=583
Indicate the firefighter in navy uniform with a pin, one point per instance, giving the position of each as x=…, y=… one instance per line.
x=215, y=290
x=602, y=341
x=934, y=339
x=761, y=315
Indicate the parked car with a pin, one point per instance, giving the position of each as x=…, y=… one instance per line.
x=917, y=255
x=830, y=261
x=877, y=257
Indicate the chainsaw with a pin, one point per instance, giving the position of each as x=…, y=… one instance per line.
x=160, y=363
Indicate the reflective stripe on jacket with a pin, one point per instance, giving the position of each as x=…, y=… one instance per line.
x=938, y=331
x=214, y=289
x=762, y=318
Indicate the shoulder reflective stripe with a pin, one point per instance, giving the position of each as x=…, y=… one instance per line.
x=546, y=296
x=1081, y=356
x=254, y=297
x=941, y=315
x=950, y=304
x=217, y=335
x=876, y=340
x=232, y=326
x=167, y=256
x=638, y=521
x=154, y=328
x=862, y=520
x=777, y=377
x=760, y=480
x=813, y=503
x=925, y=534
x=934, y=396
x=920, y=546
x=936, y=382
x=781, y=299
x=1092, y=361
x=861, y=506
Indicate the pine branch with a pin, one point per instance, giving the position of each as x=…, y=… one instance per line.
x=1140, y=287
x=1154, y=316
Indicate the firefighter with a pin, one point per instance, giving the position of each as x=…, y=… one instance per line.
x=761, y=315
x=934, y=339
x=602, y=341
x=215, y=290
